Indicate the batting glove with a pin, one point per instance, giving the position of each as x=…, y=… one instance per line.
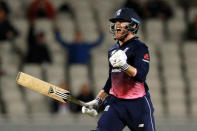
x=119, y=59
x=92, y=107
x=88, y=111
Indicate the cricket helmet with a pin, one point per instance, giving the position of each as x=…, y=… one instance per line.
x=127, y=15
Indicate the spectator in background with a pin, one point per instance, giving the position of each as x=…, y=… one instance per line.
x=191, y=33
x=37, y=50
x=66, y=8
x=7, y=31
x=3, y=6
x=59, y=107
x=78, y=52
x=41, y=9
x=85, y=95
x=159, y=9
x=186, y=5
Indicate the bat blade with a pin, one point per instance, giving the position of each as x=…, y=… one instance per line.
x=46, y=88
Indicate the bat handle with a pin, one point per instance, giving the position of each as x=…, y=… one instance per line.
x=78, y=102
x=83, y=104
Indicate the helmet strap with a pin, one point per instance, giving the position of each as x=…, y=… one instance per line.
x=130, y=28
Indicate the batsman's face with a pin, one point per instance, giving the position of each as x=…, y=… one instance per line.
x=120, y=29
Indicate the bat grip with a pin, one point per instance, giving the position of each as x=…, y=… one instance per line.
x=83, y=104
x=78, y=102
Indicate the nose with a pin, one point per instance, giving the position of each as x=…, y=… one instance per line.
x=117, y=24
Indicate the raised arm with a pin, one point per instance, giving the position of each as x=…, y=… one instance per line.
x=98, y=42
x=141, y=63
x=60, y=40
x=139, y=69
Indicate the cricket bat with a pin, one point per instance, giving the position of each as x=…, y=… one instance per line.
x=46, y=88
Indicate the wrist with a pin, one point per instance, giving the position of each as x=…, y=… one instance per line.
x=99, y=101
x=125, y=66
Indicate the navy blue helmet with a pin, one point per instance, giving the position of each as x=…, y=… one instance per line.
x=127, y=15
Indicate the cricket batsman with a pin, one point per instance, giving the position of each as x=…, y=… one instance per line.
x=125, y=94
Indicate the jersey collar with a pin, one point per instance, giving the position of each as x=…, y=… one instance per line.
x=127, y=42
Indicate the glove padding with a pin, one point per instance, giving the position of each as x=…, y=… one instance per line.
x=89, y=111
x=91, y=107
x=118, y=59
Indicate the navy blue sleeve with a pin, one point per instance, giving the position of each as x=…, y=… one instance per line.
x=141, y=63
x=60, y=40
x=108, y=83
x=107, y=86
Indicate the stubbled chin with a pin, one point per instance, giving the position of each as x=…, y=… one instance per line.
x=119, y=36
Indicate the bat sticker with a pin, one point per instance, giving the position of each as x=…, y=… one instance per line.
x=51, y=90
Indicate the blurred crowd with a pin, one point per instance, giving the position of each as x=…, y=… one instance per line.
x=79, y=50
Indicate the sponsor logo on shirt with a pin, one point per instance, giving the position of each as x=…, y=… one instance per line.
x=107, y=108
x=116, y=70
x=141, y=125
x=146, y=61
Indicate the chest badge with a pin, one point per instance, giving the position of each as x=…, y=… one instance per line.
x=146, y=57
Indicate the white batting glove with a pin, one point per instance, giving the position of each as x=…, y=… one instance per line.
x=91, y=112
x=91, y=107
x=119, y=59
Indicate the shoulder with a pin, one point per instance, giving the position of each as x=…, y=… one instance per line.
x=139, y=45
x=114, y=47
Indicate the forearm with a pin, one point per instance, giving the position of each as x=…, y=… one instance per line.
x=102, y=95
x=60, y=39
x=131, y=71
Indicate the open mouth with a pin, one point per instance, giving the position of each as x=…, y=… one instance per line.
x=118, y=30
